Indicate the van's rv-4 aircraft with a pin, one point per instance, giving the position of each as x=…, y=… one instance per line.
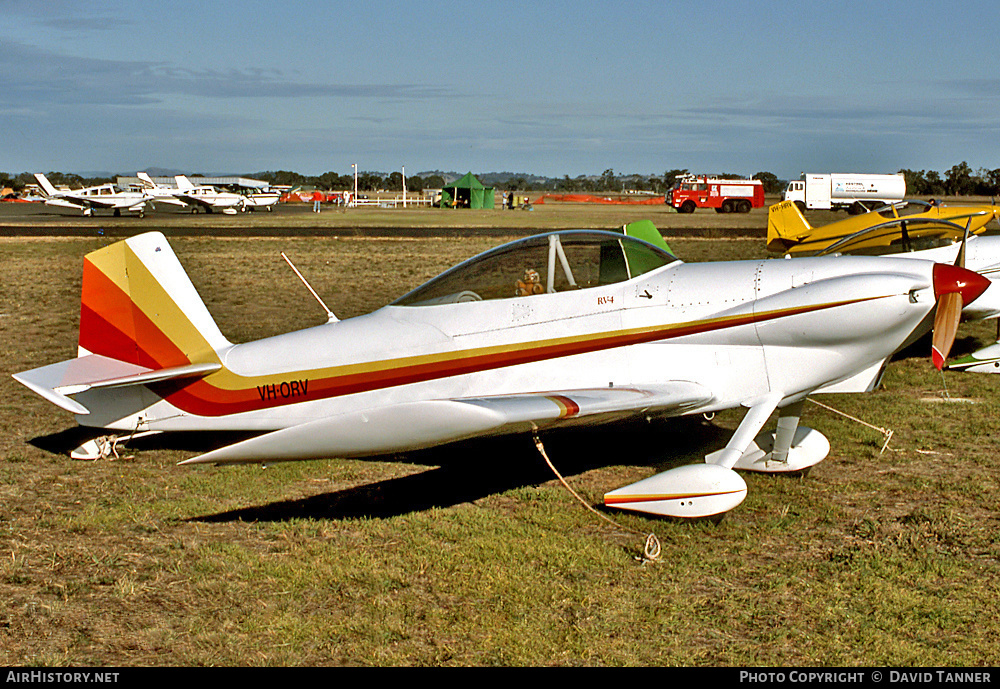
x=564, y=328
x=89, y=199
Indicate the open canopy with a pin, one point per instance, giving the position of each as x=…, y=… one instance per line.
x=467, y=192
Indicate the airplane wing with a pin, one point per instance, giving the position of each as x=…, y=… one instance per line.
x=416, y=425
x=170, y=200
x=897, y=231
x=93, y=202
x=97, y=202
x=195, y=201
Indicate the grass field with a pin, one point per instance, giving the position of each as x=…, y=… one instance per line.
x=474, y=554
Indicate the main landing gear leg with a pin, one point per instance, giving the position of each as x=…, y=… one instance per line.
x=790, y=448
x=699, y=490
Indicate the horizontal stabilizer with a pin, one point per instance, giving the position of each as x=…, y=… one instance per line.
x=417, y=425
x=57, y=382
x=985, y=360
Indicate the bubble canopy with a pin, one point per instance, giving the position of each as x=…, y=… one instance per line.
x=542, y=264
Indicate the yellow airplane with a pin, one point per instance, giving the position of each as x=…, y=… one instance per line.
x=899, y=227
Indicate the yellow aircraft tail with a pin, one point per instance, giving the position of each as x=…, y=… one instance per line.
x=786, y=226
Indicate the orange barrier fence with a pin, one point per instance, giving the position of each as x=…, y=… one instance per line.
x=589, y=198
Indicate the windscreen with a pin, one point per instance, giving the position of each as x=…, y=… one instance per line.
x=544, y=264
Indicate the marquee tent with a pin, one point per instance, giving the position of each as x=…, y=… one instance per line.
x=467, y=192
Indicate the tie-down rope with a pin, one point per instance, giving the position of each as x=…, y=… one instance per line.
x=652, y=548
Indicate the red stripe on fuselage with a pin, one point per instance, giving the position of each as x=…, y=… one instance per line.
x=204, y=399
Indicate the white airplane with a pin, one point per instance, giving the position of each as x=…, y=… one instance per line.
x=261, y=199
x=160, y=193
x=565, y=328
x=89, y=199
x=208, y=198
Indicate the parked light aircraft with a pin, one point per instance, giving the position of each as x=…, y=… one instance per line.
x=186, y=193
x=207, y=197
x=564, y=328
x=159, y=192
x=903, y=226
x=261, y=199
x=89, y=199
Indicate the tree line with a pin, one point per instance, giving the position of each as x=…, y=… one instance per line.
x=959, y=180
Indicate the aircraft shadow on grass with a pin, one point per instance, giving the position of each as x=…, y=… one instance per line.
x=457, y=473
x=468, y=471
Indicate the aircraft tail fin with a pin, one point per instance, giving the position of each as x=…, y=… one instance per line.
x=138, y=306
x=46, y=185
x=146, y=180
x=786, y=226
x=183, y=182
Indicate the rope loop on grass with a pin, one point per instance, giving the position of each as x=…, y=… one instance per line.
x=651, y=551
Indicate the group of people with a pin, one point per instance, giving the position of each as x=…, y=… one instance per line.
x=512, y=200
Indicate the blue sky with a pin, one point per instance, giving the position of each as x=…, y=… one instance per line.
x=552, y=88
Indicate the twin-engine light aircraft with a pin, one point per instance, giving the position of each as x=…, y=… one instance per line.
x=573, y=327
x=89, y=199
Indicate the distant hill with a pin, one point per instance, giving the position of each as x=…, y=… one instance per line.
x=164, y=172
x=447, y=176
x=490, y=179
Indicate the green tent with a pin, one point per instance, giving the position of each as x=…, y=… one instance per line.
x=467, y=192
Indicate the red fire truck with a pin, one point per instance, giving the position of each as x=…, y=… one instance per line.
x=724, y=195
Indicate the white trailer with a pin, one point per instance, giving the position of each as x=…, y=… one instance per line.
x=856, y=192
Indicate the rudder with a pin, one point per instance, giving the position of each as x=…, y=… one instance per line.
x=139, y=306
x=785, y=226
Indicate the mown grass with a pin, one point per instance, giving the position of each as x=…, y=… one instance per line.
x=475, y=555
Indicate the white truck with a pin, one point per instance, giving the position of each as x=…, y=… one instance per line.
x=855, y=192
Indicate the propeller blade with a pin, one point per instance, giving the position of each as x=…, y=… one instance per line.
x=960, y=259
x=949, y=313
x=954, y=287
